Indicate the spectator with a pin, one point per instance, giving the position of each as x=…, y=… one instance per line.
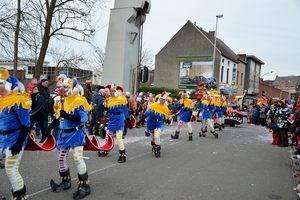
x=128, y=97
x=282, y=116
x=97, y=111
x=262, y=115
x=254, y=115
x=297, y=130
x=130, y=112
x=88, y=94
x=31, y=85
x=43, y=90
x=132, y=105
x=36, y=113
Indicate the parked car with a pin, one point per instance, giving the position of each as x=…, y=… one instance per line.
x=197, y=79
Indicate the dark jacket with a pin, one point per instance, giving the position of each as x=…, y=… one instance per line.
x=37, y=104
x=87, y=93
x=97, y=103
x=44, y=91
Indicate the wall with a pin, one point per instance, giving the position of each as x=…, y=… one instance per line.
x=187, y=41
x=271, y=91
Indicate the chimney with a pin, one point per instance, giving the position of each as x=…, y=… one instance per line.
x=212, y=32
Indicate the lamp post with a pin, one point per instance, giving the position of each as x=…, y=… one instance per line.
x=267, y=73
x=214, y=55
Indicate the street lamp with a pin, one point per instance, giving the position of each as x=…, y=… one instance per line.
x=267, y=73
x=214, y=55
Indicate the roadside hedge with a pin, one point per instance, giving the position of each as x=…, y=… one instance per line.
x=158, y=90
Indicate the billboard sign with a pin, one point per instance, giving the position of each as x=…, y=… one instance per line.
x=192, y=72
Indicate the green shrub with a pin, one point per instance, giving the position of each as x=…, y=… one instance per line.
x=158, y=90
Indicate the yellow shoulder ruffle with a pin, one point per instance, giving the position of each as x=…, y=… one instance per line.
x=117, y=101
x=224, y=103
x=15, y=99
x=188, y=103
x=75, y=101
x=206, y=102
x=161, y=109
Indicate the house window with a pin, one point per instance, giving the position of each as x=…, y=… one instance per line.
x=237, y=77
x=223, y=60
x=227, y=76
x=242, y=74
x=222, y=73
x=228, y=63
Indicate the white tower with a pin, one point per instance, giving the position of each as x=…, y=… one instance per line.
x=123, y=43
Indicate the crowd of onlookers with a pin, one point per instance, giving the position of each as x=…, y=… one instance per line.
x=281, y=118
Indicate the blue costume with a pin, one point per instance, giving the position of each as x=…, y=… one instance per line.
x=221, y=107
x=157, y=114
x=14, y=129
x=76, y=137
x=71, y=114
x=208, y=108
x=186, y=106
x=117, y=110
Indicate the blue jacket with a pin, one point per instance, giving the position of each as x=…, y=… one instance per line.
x=37, y=104
x=97, y=102
x=255, y=113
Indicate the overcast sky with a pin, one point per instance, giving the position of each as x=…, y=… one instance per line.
x=267, y=29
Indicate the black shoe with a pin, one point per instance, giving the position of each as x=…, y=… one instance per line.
x=102, y=154
x=122, y=157
x=297, y=152
x=202, y=134
x=174, y=136
x=2, y=165
x=283, y=145
x=147, y=133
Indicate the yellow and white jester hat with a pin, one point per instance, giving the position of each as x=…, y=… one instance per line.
x=9, y=83
x=113, y=86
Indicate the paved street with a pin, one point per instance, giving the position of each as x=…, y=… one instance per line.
x=240, y=164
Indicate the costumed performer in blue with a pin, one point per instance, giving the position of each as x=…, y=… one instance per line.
x=209, y=107
x=117, y=111
x=157, y=114
x=14, y=129
x=71, y=119
x=221, y=107
x=185, y=107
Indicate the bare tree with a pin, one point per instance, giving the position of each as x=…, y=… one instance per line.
x=96, y=63
x=65, y=59
x=147, y=59
x=7, y=19
x=16, y=44
x=63, y=18
x=43, y=21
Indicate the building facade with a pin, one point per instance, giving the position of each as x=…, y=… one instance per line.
x=26, y=67
x=188, y=58
x=288, y=84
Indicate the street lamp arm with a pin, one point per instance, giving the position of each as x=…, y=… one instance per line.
x=267, y=73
